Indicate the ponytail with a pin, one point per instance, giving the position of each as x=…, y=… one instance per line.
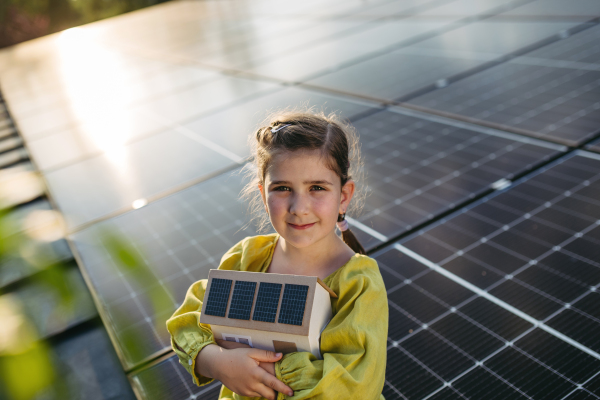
x=347, y=235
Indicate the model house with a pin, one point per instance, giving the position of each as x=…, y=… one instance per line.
x=281, y=313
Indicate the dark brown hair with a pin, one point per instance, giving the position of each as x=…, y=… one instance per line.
x=306, y=130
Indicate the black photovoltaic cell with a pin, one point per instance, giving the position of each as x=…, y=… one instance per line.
x=545, y=100
x=293, y=304
x=267, y=302
x=241, y=300
x=216, y=304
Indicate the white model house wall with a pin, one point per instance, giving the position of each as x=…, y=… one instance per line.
x=320, y=316
x=264, y=340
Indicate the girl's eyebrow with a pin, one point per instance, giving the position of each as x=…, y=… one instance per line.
x=305, y=183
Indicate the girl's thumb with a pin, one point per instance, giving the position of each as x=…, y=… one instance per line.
x=265, y=355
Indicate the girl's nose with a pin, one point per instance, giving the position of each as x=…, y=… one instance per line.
x=299, y=205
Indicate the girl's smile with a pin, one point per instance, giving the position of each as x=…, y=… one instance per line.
x=300, y=227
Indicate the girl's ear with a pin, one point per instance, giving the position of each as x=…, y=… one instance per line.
x=262, y=194
x=347, y=193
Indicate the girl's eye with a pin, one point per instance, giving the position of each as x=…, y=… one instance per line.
x=317, y=188
x=281, y=189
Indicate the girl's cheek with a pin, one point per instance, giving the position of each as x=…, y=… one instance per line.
x=276, y=204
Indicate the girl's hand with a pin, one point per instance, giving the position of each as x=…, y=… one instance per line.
x=239, y=369
x=267, y=366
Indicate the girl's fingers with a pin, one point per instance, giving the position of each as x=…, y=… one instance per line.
x=265, y=392
x=264, y=355
x=275, y=384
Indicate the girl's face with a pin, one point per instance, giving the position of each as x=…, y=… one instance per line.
x=303, y=197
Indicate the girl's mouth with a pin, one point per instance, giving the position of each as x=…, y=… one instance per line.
x=300, y=227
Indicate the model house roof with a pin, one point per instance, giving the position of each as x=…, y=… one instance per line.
x=253, y=300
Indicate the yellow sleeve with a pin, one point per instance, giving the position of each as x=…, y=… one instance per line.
x=353, y=345
x=188, y=335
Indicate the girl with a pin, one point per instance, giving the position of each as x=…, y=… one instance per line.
x=302, y=180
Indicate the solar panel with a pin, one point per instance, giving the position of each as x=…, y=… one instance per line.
x=51, y=308
x=267, y=302
x=168, y=379
x=435, y=61
x=241, y=300
x=15, y=267
x=88, y=365
x=457, y=342
x=180, y=237
x=216, y=304
x=293, y=304
x=201, y=146
x=419, y=167
x=532, y=95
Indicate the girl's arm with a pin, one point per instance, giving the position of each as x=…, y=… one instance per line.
x=354, y=344
x=238, y=369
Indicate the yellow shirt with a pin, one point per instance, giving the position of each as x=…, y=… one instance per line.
x=353, y=344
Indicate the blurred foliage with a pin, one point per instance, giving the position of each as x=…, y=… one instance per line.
x=22, y=20
x=28, y=367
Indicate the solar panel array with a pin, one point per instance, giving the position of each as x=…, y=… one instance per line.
x=482, y=214
x=551, y=93
x=241, y=301
x=495, y=301
x=420, y=166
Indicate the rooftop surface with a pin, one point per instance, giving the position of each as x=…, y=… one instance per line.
x=480, y=127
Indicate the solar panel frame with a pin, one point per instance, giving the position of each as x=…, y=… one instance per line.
x=242, y=300
x=293, y=304
x=594, y=146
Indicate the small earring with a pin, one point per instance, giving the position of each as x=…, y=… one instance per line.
x=342, y=224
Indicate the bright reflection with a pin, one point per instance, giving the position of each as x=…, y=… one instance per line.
x=18, y=186
x=97, y=84
x=45, y=225
x=139, y=203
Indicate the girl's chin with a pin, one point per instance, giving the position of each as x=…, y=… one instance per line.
x=301, y=239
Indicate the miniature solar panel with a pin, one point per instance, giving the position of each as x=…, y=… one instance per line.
x=241, y=300
x=420, y=166
x=267, y=302
x=218, y=296
x=293, y=304
x=543, y=94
